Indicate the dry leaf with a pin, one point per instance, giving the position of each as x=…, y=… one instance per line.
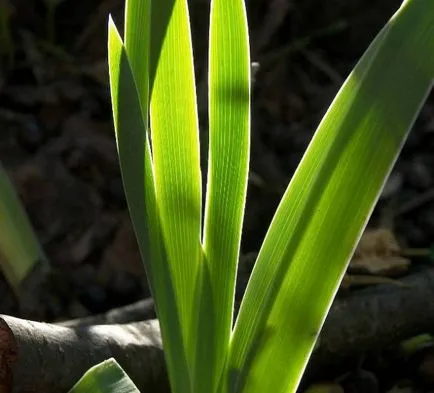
x=376, y=258
x=378, y=253
x=377, y=242
x=389, y=266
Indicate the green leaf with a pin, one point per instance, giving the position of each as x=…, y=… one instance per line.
x=161, y=14
x=328, y=203
x=416, y=344
x=105, y=377
x=137, y=45
x=20, y=249
x=138, y=178
x=229, y=144
x=175, y=148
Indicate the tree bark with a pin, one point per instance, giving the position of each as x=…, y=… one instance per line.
x=40, y=357
x=142, y=310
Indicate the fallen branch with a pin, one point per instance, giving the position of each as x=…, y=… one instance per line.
x=50, y=358
x=373, y=319
x=142, y=310
x=40, y=357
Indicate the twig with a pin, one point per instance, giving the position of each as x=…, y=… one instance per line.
x=415, y=202
x=268, y=59
x=96, y=19
x=277, y=11
x=323, y=66
x=139, y=311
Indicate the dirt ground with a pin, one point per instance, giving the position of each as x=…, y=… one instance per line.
x=57, y=141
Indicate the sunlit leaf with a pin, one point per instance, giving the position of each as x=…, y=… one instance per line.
x=328, y=203
x=229, y=145
x=105, y=377
x=138, y=178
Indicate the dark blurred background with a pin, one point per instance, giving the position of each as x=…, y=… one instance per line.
x=57, y=141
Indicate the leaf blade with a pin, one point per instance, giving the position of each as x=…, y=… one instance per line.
x=20, y=249
x=363, y=131
x=175, y=132
x=105, y=377
x=229, y=145
x=138, y=178
x=138, y=46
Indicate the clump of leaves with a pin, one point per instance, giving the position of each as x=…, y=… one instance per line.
x=190, y=258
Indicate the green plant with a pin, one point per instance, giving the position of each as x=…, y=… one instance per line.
x=320, y=218
x=20, y=249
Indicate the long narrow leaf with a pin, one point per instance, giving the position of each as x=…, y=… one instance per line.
x=138, y=179
x=328, y=203
x=20, y=249
x=229, y=123
x=175, y=149
x=137, y=44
